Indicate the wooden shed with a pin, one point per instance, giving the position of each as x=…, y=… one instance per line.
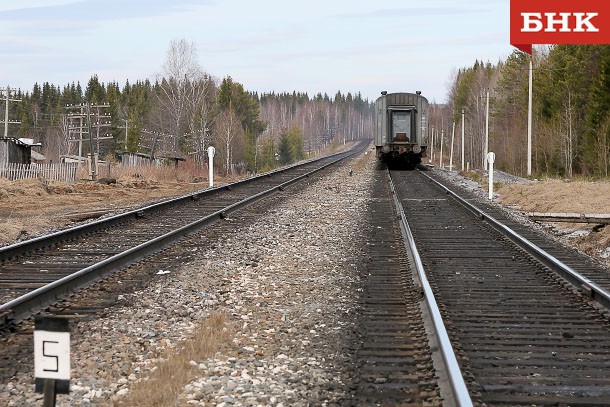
x=141, y=160
x=13, y=150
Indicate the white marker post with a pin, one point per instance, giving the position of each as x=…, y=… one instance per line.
x=51, y=357
x=211, y=152
x=491, y=157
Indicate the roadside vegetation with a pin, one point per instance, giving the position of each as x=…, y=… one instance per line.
x=183, y=111
x=570, y=120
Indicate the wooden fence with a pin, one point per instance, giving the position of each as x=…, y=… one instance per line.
x=52, y=172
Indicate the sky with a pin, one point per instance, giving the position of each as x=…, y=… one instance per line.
x=267, y=45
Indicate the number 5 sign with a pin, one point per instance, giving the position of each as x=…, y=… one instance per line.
x=52, y=354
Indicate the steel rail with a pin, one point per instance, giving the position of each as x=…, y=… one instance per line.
x=596, y=292
x=458, y=386
x=28, y=304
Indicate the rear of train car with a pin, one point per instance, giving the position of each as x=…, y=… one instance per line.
x=401, y=127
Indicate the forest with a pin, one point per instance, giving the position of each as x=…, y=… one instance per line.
x=183, y=112
x=570, y=112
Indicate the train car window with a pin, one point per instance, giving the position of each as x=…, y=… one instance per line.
x=401, y=125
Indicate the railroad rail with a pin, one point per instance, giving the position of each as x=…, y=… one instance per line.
x=459, y=392
x=37, y=273
x=522, y=334
x=395, y=360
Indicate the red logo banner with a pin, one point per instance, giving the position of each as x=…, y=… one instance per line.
x=559, y=22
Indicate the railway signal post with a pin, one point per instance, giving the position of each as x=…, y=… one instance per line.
x=211, y=152
x=491, y=157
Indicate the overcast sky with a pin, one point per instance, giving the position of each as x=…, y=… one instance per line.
x=267, y=45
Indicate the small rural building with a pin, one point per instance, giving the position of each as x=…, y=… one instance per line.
x=135, y=159
x=36, y=157
x=13, y=150
x=140, y=160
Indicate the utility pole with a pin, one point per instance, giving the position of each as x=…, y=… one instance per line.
x=431, y=160
x=126, y=128
x=440, y=164
x=7, y=99
x=91, y=120
x=99, y=123
x=76, y=125
x=451, y=153
x=92, y=154
x=94, y=149
x=486, y=133
x=462, y=139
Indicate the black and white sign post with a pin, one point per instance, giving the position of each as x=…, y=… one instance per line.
x=51, y=357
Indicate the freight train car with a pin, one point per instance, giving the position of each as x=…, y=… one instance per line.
x=401, y=128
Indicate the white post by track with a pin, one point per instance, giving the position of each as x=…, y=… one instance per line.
x=211, y=152
x=491, y=157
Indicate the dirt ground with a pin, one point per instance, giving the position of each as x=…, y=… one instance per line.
x=557, y=196
x=31, y=207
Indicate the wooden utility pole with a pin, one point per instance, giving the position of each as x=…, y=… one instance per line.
x=7, y=99
x=486, y=133
x=451, y=153
x=92, y=119
x=462, y=139
x=440, y=163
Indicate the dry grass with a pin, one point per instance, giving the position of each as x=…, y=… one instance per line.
x=558, y=196
x=185, y=172
x=30, y=206
x=595, y=243
x=163, y=386
x=27, y=187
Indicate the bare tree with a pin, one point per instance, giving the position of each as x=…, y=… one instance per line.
x=229, y=138
x=184, y=95
x=200, y=103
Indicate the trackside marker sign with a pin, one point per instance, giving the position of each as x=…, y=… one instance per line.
x=559, y=22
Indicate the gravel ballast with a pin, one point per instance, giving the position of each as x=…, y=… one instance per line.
x=288, y=283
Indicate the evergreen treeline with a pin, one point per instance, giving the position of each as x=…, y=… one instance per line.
x=571, y=111
x=185, y=111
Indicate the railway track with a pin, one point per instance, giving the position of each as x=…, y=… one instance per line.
x=395, y=360
x=37, y=273
x=596, y=280
x=522, y=334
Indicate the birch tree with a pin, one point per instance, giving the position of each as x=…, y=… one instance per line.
x=183, y=94
x=229, y=138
